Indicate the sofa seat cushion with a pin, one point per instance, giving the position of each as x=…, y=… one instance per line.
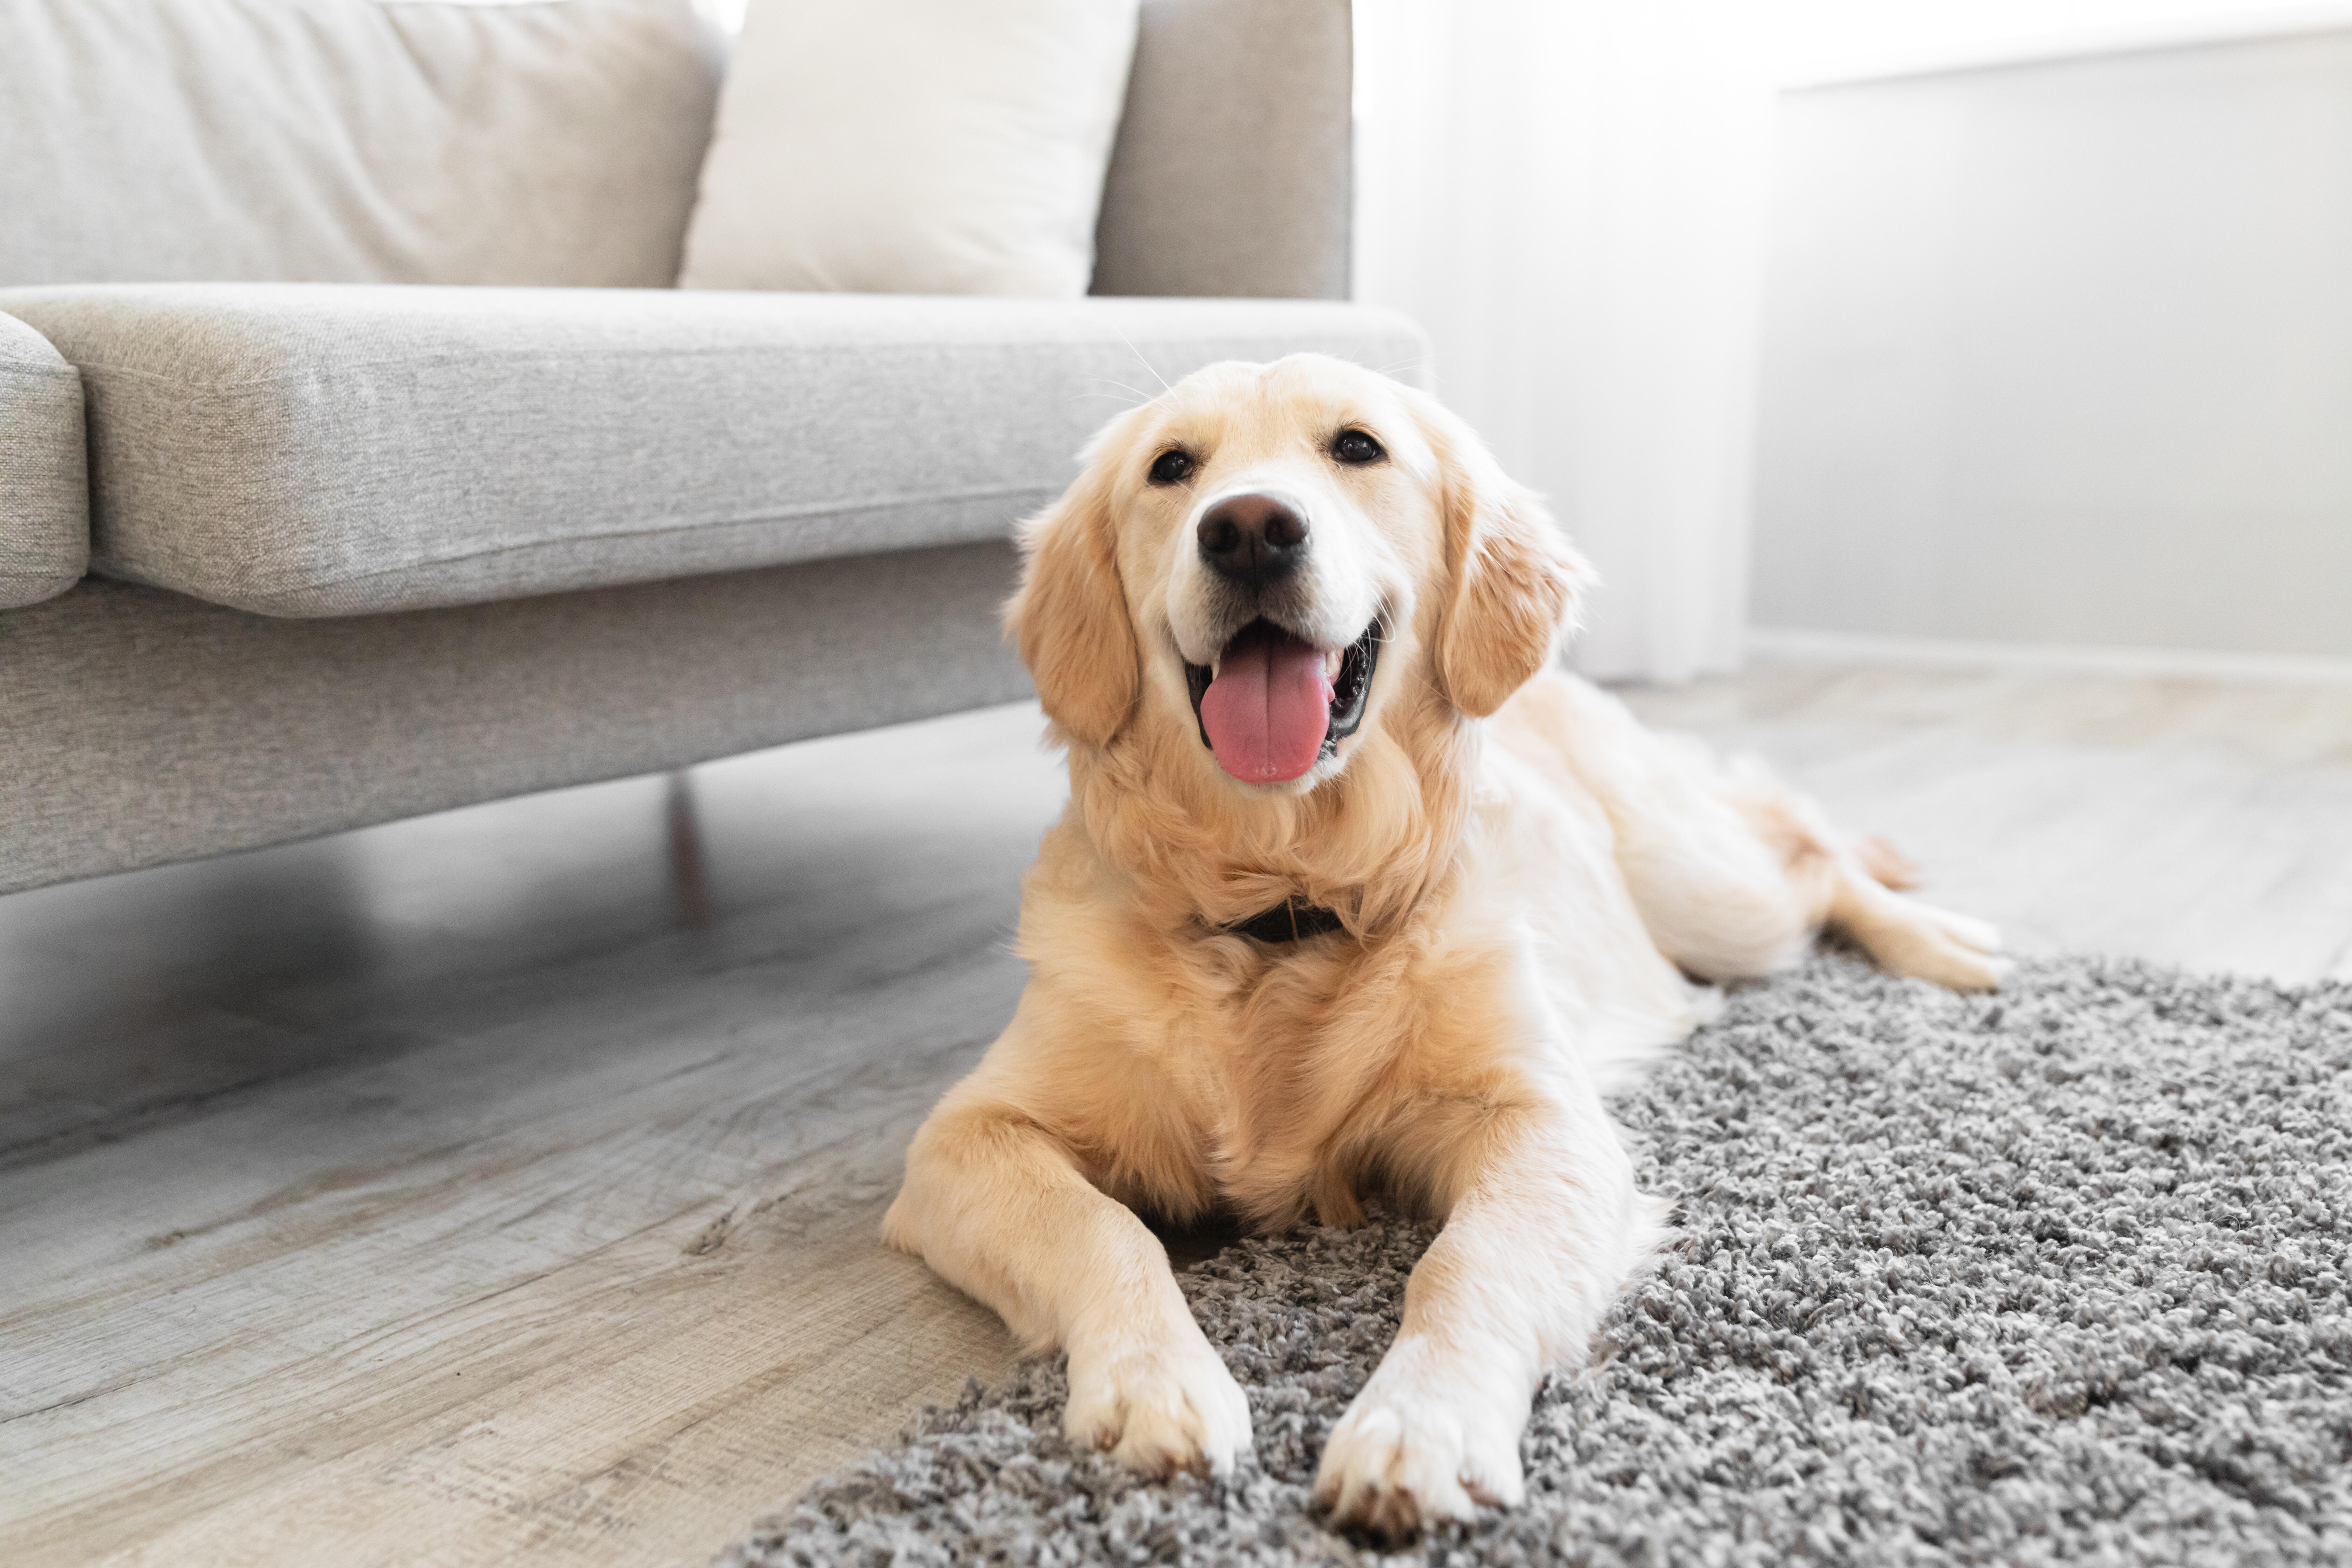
x=44, y=493
x=323, y=450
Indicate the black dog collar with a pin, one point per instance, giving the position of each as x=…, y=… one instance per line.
x=1294, y=920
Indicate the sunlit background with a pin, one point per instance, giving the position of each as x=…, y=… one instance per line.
x=2019, y=321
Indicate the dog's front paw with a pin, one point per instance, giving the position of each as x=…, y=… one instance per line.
x=1425, y=1441
x=1158, y=1406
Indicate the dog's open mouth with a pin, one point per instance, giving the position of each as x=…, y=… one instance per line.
x=1274, y=704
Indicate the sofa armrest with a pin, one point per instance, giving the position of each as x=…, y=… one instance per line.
x=44, y=484
x=1231, y=172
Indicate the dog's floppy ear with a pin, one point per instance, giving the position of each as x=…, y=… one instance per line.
x=1069, y=617
x=1516, y=580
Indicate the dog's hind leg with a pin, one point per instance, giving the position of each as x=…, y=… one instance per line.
x=1850, y=886
x=1734, y=873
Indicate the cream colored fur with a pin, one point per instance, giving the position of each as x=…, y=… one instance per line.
x=1534, y=888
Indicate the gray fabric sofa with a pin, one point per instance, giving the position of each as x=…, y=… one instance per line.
x=357, y=459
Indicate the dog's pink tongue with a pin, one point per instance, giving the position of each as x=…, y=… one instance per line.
x=1267, y=708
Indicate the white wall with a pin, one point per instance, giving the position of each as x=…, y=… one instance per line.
x=2062, y=352
x=1571, y=194
x=1810, y=43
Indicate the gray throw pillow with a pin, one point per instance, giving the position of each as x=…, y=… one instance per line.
x=349, y=140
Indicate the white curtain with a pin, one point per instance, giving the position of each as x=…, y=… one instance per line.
x=1570, y=195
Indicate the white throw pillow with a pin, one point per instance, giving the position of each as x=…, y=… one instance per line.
x=912, y=146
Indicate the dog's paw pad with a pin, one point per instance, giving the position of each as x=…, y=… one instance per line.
x=1954, y=951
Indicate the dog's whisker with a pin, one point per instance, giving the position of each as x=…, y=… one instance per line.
x=1138, y=394
x=1145, y=363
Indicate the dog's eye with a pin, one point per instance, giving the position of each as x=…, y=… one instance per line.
x=1355, y=446
x=1171, y=468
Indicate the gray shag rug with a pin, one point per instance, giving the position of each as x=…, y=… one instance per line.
x=2057, y=1274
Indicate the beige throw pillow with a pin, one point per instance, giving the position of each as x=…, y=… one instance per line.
x=912, y=146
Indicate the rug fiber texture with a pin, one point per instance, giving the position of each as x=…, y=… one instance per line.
x=2056, y=1275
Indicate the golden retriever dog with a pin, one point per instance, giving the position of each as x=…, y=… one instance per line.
x=1355, y=895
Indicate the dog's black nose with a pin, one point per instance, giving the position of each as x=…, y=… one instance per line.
x=1252, y=539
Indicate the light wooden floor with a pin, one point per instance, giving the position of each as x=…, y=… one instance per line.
x=507, y=1180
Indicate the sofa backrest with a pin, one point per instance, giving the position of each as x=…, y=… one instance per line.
x=558, y=142
x=349, y=140
x=1231, y=172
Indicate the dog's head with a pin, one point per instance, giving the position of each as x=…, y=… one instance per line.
x=1276, y=560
